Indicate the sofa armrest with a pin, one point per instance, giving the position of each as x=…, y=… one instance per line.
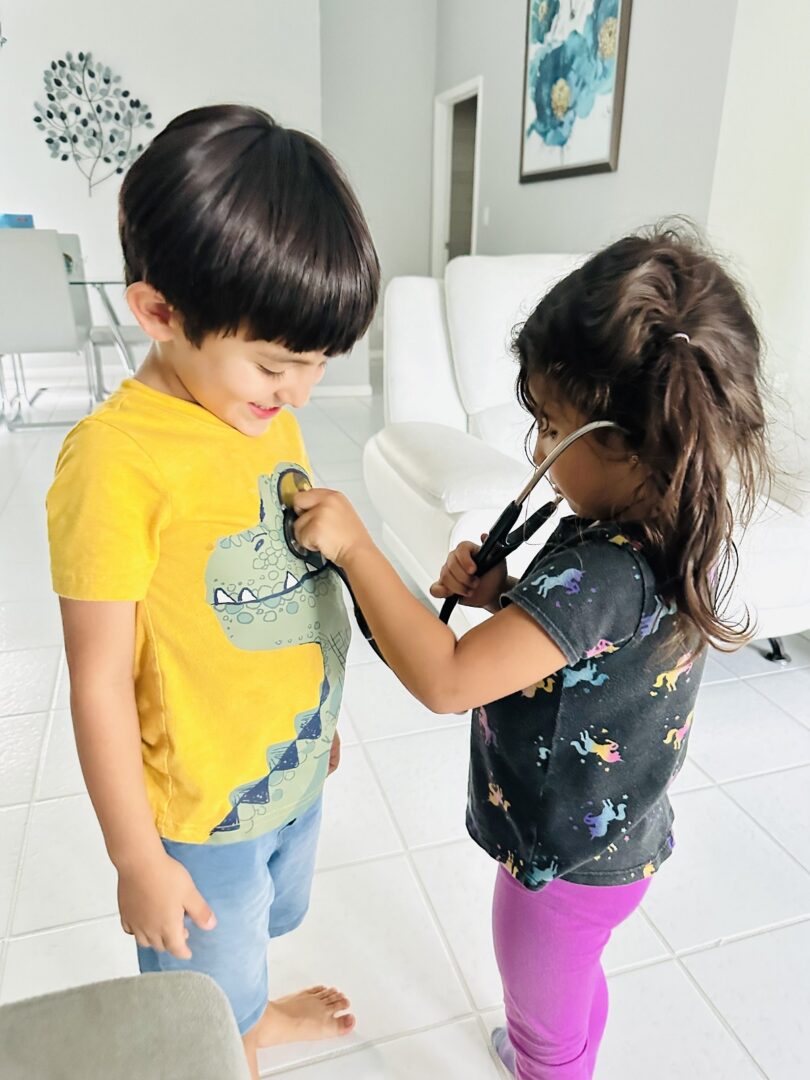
x=453, y=470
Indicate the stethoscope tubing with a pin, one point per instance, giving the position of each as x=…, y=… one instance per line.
x=502, y=539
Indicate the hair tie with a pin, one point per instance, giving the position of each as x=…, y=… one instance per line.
x=685, y=337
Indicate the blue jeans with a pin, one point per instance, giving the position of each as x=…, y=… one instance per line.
x=258, y=889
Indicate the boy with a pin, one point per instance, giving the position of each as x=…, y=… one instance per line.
x=206, y=659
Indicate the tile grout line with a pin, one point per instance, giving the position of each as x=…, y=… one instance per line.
x=625, y=969
x=368, y=1044
x=742, y=935
x=677, y=959
x=768, y=772
x=766, y=831
x=726, y=1024
x=785, y=671
x=408, y=855
x=405, y=734
x=61, y=667
x=37, y=440
x=44, y=931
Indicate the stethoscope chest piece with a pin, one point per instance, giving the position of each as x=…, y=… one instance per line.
x=290, y=483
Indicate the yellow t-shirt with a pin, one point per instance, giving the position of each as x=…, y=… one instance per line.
x=240, y=645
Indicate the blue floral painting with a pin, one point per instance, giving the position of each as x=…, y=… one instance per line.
x=576, y=53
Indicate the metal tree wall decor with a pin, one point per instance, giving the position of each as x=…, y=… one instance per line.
x=89, y=119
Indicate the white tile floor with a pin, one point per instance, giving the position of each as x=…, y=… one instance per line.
x=710, y=980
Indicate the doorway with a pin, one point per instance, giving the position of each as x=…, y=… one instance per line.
x=456, y=156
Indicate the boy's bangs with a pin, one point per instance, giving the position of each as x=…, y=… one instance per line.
x=323, y=304
x=244, y=226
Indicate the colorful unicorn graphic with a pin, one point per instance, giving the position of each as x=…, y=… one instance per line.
x=600, y=648
x=607, y=751
x=598, y=823
x=676, y=736
x=490, y=738
x=569, y=580
x=546, y=685
x=496, y=797
x=545, y=874
x=586, y=674
x=651, y=622
x=670, y=678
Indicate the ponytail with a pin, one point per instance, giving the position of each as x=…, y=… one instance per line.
x=655, y=335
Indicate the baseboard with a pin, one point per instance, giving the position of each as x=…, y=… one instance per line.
x=356, y=390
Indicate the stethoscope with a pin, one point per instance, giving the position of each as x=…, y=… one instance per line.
x=503, y=538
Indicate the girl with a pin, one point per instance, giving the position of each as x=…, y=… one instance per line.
x=591, y=665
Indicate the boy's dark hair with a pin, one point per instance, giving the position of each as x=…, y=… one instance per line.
x=655, y=335
x=243, y=224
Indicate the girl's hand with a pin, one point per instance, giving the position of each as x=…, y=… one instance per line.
x=327, y=522
x=154, y=895
x=457, y=578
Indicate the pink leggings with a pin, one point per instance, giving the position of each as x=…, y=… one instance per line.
x=549, y=947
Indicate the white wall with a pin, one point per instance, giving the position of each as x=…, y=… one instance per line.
x=377, y=72
x=174, y=56
x=760, y=205
x=676, y=73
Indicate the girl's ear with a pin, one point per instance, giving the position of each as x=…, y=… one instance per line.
x=154, y=314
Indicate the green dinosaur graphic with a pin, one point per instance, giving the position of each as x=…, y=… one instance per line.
x=265, y=597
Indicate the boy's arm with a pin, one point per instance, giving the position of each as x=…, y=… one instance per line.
x=154, y=891
x=100, y=646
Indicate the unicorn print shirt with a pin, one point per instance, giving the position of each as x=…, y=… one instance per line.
x=569, y=777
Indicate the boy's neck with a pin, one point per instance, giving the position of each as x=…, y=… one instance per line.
x=157, y=372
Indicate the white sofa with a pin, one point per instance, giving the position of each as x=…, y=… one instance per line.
x=451, y=454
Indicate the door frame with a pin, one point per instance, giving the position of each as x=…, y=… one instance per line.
x=442, y=168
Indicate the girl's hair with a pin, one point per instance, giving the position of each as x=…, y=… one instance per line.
x=609, y=339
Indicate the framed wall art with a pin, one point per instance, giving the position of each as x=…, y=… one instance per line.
x=573, y=87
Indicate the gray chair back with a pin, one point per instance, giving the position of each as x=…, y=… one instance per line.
x=172, y=1026
x=36, y=308
x=79, y=294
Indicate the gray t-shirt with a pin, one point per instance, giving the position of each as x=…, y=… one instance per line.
x=568, y=778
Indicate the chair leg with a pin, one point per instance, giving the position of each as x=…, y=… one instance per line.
x=12, y=406
x=6, y=400
x=777, y=655
x=21, y=383
x=100, y=390
x=91, y=374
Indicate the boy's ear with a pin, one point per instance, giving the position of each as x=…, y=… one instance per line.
x=155, y=316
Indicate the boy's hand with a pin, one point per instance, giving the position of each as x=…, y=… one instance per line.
x=153, y=898
x=327, y=522
x=334, y=754
x=457, y=578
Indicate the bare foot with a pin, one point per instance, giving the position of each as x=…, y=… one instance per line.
x=304, y=1017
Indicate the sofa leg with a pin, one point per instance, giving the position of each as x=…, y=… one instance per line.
x=777, y=654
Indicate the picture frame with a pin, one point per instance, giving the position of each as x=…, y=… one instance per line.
x=574, y=74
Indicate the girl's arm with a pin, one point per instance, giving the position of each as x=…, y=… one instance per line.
x=505, y=654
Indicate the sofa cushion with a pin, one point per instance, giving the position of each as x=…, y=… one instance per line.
x=457, y=471
x=504, y=427
x=486, y=297
x=418, y=374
